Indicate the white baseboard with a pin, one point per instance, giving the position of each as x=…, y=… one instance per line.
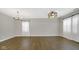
x=24, y=35
x=36, y=35
x=73, y=39
x=7, y=38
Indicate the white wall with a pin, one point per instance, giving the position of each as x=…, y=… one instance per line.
x=44, y=27
x=40, y=27
x=7, y=27
x=60, y=27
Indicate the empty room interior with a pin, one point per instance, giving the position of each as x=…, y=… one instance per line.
x=39, y=29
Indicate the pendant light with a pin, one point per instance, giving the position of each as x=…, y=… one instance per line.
x=18, y=16
x=52, y=14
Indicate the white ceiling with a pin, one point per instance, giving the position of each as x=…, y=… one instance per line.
x=34, y=12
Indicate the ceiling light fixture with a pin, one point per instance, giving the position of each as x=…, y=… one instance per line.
x=52, y=14
x=18, y=16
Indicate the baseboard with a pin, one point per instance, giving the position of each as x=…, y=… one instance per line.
x=37, y=35
x=70, y=38
x=7, y=38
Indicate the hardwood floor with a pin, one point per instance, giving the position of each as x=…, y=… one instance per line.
x=39, y=43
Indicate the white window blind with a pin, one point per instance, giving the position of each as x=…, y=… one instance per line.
x=75, y=23
x=67, y=25
x=25, y=26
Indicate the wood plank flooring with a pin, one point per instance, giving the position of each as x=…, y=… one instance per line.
x=39, y=43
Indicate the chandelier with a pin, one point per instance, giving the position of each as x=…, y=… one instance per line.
x=52, y=14
x=18, y=16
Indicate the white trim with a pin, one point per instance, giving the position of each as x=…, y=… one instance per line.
x=36, y=35
x=7, y=38
x=70, y=38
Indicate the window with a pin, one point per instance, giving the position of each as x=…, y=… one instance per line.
x=71, y=24
x=67, y=25
x=25, y=26
x=75, y=23
x=64, y=26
